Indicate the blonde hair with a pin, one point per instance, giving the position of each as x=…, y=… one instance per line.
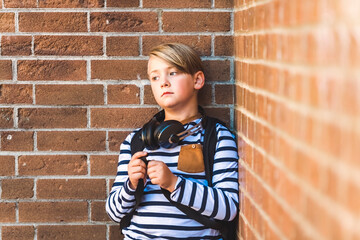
x=181, y=56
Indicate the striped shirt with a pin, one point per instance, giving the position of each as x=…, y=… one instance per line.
x=156, y=217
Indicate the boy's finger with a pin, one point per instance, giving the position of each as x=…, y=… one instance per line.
x=137, y=162
x=152, y=163
x=140, y=154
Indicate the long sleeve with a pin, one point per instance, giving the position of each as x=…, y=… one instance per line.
x=220, y=201
x=155, y=217
x=121, y=199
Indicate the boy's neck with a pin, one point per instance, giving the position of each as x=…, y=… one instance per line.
x=184, y=115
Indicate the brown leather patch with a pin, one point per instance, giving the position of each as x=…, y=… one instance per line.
x=191, y=159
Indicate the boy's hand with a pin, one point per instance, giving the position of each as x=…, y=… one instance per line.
x=161, y=175
x=137, y=169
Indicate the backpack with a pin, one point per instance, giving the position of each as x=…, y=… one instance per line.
x=228, y=229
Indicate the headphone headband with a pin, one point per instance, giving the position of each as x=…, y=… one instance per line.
x=159, y=133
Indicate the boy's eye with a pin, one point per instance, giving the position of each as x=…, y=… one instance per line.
x=154, y=78
x=173, y=73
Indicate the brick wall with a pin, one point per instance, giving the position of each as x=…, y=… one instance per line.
x=298, y=114
x=73, y=84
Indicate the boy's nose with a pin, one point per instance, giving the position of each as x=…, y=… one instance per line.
x=165, y=82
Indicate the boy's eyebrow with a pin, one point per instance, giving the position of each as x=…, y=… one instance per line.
x=153, y=71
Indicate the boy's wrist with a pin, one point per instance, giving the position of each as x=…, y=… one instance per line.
x=172, y=186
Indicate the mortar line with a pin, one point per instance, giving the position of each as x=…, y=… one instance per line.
x=307, y=70
x=113, y=10
x=16, y=117
x=35, y=142
x=140, y=45
x=105, y=46
x=16, y=22
x=92, y=58
x=195, y=34
x=88, y=22
x=212, y=45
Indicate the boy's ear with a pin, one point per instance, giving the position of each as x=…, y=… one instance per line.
x=199, y=80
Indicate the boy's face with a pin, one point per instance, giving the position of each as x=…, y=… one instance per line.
x=172, y=88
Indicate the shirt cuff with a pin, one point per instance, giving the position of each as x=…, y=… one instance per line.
x=179, y=183
x=128, y=189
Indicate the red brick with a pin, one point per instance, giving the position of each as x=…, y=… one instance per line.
x=115, y=233
x=202, y=44
x=115, y=139
x=123, y=3
x=5, y=70
x=65, y=232
x=103, y=165
x=71, y=141
x=224, y=3
x=47, y=212
x=51, y=70
x=7, y=22
x=205, y=21
x=15, y=45
x=124, y=22
x=15, y=93
x=239, y=47
x=220, y=113
x=37, y=165
x=123, y=94
x=98, y=212
x=111, y=183
x=122, y=46
x=224, y=46
x=18, y=232
x=68, y=45
x=7, y=212
x=17, y=141
x=6, y=118
x=69, y=94
x=20, y=3
x=148, y=96
x=52, y=117
x=177, y=4
x=7, y=164
x=205, y=95
x=224, y=94
x=119, y=117
x=17, y=188
x=71, y=4
x=118, y=69
x=217, y=70
x=71, y=189
x=52, y=22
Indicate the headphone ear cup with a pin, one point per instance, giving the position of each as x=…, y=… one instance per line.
x=165, y=130
x=147, y=134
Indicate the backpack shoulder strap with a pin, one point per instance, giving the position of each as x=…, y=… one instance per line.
x=136, y=145
x=209, y=147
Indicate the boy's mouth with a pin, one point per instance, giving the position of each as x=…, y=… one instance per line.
x=166, y=93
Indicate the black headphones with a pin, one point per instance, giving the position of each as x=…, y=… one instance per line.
x=167, y=134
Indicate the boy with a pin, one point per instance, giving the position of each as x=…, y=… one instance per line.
x=176, y=76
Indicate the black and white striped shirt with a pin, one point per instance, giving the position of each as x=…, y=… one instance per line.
x=156, y=217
